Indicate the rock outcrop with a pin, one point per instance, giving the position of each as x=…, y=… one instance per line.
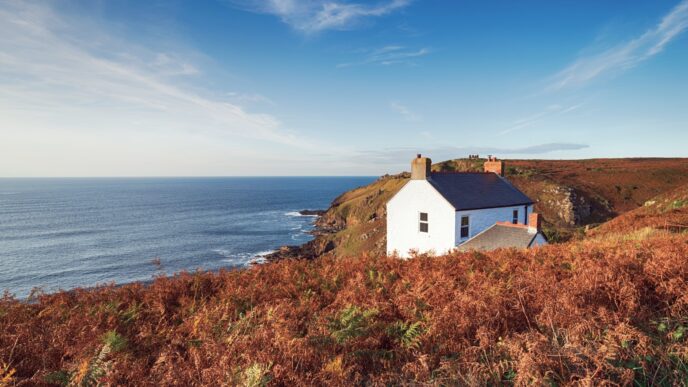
x=312, y=212
x=570, y=207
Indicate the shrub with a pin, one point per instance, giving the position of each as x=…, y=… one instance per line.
x=114, y=341
x=6, y=375
x=604, y=311
x=406, y=334
x=350, y=323
x=256, y=375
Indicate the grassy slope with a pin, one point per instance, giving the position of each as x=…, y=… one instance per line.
x=607, y=187
x=624, y=183
x=586, y=311
x=668, y=211
x=360, y=216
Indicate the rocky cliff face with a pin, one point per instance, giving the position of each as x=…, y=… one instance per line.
x=569, y=194
x=355, y=222
x=570, y=207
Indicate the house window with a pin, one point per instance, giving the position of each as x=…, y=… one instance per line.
x=465, y=227
x=515, y=218
x=423, y=222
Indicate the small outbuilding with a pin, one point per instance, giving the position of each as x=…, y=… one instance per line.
x=503, y=234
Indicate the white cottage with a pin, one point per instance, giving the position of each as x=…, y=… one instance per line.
x=438, y=212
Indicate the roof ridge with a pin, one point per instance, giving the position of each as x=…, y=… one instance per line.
x=508, y=224
x=477, y=190
x=458, y=172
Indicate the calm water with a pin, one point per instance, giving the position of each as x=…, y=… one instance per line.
x=66, y=233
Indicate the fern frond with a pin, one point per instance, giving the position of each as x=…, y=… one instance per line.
x=407, y=334
x=6, y=375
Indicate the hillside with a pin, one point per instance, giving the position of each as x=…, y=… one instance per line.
x=668, y=211
x=591, y=312
x=570, y=194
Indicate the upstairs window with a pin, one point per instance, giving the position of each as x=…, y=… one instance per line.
x=465, y=227
x=515, y=218
x=423, y=224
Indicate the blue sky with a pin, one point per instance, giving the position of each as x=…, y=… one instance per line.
x=286, y=87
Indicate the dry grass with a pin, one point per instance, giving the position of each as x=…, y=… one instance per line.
x=667, y=212
x=624, y=183
x=591, y=312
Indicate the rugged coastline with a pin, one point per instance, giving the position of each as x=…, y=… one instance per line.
x=309, y=250
x=572, y=195
x=329, y=320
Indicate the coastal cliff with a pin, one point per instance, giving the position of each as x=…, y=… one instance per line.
x=572, y=195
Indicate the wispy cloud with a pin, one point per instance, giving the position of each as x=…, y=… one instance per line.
x=389, y=55
x=56, y=73
x=531, y=120
x=406, y=113
x=625, y=55
x=168, y=64
x=312, y=16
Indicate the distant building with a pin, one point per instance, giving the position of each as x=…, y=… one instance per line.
x=438, y=212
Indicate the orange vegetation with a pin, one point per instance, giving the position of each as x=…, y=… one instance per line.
x=668, y=211
x=587, y=311
x=623, y=183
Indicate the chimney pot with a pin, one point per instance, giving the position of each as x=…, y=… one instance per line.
x=495, y=166
x=534, y=222
x=420, y=168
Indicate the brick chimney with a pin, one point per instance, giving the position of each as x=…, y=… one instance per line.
x=494, y=165
x=534, y=222
x=420, y=168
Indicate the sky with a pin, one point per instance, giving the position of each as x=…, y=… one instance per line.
x=335, y=87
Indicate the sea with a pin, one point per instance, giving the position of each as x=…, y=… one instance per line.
x=64, y=233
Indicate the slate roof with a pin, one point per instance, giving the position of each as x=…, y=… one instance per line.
x=498, y=236
x=471, y=191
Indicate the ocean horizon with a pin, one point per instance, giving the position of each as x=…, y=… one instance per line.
x=63, y=233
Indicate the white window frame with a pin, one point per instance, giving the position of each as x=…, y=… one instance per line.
x=514, y=216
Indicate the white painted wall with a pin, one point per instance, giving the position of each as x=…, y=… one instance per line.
x=403, y=213
x=479, y=220
x=539, y=240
